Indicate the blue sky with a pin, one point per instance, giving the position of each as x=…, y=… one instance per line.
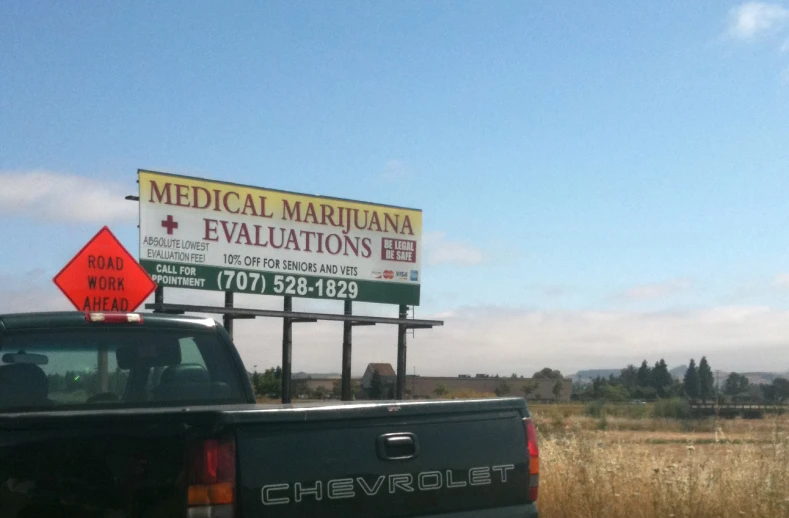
x=572, y=158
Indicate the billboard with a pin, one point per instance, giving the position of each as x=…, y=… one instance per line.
x=210, y=235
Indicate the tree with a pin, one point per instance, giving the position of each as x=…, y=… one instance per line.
x=356, y=390
x=257, y=384
x=336, y=389
x=376, y=385
x=558, y=387
x=645, y=393
x=300, y=388
x=735, y=384
x=441, y=390
x=780, y=390
x=628, y=377
x=548, y=373
x=706, y=380
x=644, y=375
x=267, y=383
x=529, y=387
x=503, y=389
x=661, y=378
x=768, y=393
x=612, y=393
x=691, y=384
x=777, y=392
x=598, y=387
x=675, y=389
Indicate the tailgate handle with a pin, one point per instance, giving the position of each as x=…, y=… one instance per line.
x=397, y=446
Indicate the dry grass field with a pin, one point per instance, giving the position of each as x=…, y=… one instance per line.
x=661, y=468
x=642, y=467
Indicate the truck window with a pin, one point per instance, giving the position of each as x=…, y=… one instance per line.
x=83, y=368
x=190, y=354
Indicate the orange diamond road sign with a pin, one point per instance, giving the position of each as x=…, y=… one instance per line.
x=104, y=276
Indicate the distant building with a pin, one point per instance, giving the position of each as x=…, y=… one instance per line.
x=388, y=378
x=464, y=385
x=542, y=390
x=327, y=384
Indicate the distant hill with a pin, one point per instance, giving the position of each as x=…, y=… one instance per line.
x=587, y=375
x=759, y=377
x=315, y=375
x=755, y=378
x=679, y=372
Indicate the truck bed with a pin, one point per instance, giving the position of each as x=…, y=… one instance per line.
x=383, y=459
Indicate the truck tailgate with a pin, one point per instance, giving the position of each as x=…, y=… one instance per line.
x=121, y=464
x=399, y=460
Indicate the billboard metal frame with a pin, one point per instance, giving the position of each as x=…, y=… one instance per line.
x=290, y=317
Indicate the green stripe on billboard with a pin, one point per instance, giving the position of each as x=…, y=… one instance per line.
x=237, y=280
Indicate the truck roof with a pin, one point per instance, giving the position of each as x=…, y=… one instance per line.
x=62, y=319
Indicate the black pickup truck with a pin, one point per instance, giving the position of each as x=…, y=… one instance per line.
x=147, y=415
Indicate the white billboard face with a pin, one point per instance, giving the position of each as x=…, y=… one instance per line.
x=203, y=234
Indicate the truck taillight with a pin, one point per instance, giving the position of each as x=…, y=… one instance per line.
x=534, y=459
x=212, y=479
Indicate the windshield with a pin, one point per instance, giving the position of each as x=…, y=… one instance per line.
x=83, y=368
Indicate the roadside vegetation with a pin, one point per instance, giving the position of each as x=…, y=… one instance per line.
x=661, y=467
x=698, y=385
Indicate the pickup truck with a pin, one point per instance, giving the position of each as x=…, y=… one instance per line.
x=118, y=415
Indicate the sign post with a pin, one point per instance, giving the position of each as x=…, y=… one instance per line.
x=287, y=351
x=347, y=327
x=401, y=352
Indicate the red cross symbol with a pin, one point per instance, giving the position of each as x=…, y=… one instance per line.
x=169, y=224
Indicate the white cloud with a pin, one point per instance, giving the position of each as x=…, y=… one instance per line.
x=657, y=290
x=29, y=291
x=486, y=339
x=504, y=340
x=500, y=340
x=441, y=250
x=750, y=19
x=782, y=280
x=58, y=197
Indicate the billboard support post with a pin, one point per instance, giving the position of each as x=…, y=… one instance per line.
x=287, y=350
x=158, y=296
x=401, y=352
x=347, y=328
x=404, y=324
x=227, y=319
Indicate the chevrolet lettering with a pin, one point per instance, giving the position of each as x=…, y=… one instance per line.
x=283, y=493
